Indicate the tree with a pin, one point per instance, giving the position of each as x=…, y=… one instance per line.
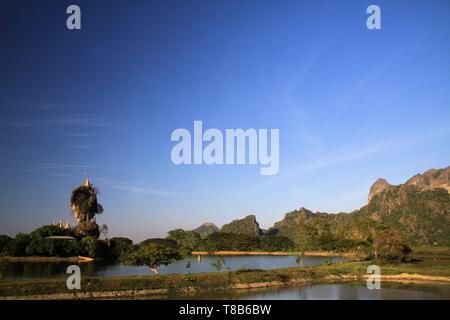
x=18, y=246
x=160, y=241
x=120, y=248
x=187, y=241
x=154, y=255
x=276, y=243
x=89, y=246
x=176, y=235
x=388, y=246
x=49, y=231
x=4, y=240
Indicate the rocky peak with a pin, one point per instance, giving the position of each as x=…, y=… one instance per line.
x=431, y=179
x=379, y=186
x=247, y=225
x=206, y=228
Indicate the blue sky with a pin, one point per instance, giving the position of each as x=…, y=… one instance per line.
x=351, y=104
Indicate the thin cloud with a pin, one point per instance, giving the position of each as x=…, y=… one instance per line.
x=137, y=188
x=44, y=107
x=80, y=135
x=59, y=174
x=384, y=146
x=60, y=122
x=80, y=146
x=60, y=166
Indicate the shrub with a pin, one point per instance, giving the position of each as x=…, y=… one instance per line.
x=153, y=255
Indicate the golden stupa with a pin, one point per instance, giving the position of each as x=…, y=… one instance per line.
x=86, y=182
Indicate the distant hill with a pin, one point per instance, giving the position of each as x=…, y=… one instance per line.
x=206, y=228
x=291, y=220
x=421, y=217
x=430, y=180
x=419, y=210
x=248, y=226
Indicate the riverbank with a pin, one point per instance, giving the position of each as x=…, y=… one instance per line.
x=160, y=286
x=48, y=259
x=272, y=253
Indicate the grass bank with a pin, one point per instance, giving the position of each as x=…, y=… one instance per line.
x=429, y=266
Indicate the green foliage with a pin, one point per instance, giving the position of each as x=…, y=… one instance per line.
x=52, y=247
x=421, y=217
x=160, y=241
x=50, y=231
x=120, y=248
x=18, y=246
x=288, y=226
x=388, y=247
x=220, y=241
x=37, y=243
x=276, y=243
x=315, y=234
x=153, y=255
x=4, y=241
x=186, y=241
x=90, y=247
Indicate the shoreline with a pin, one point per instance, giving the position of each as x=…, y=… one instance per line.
x=271, y=253
x=164, y=293
x=48, y=259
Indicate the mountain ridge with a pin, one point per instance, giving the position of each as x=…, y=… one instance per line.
x=419, y=210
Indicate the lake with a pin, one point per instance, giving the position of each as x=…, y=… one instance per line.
x=30, y=270
x=351, y=291
x=346, y=291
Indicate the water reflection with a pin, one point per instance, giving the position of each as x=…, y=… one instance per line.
x=347, y=291
x=28, y=270
x=354, y=292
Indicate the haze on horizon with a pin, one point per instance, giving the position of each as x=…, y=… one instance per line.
x=352, y=105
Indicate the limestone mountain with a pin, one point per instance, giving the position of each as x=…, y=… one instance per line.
x=206, y=228
x=291, y=220
x=419, y=210
x=420, y=216
x=430, y=180
x=247, y=225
